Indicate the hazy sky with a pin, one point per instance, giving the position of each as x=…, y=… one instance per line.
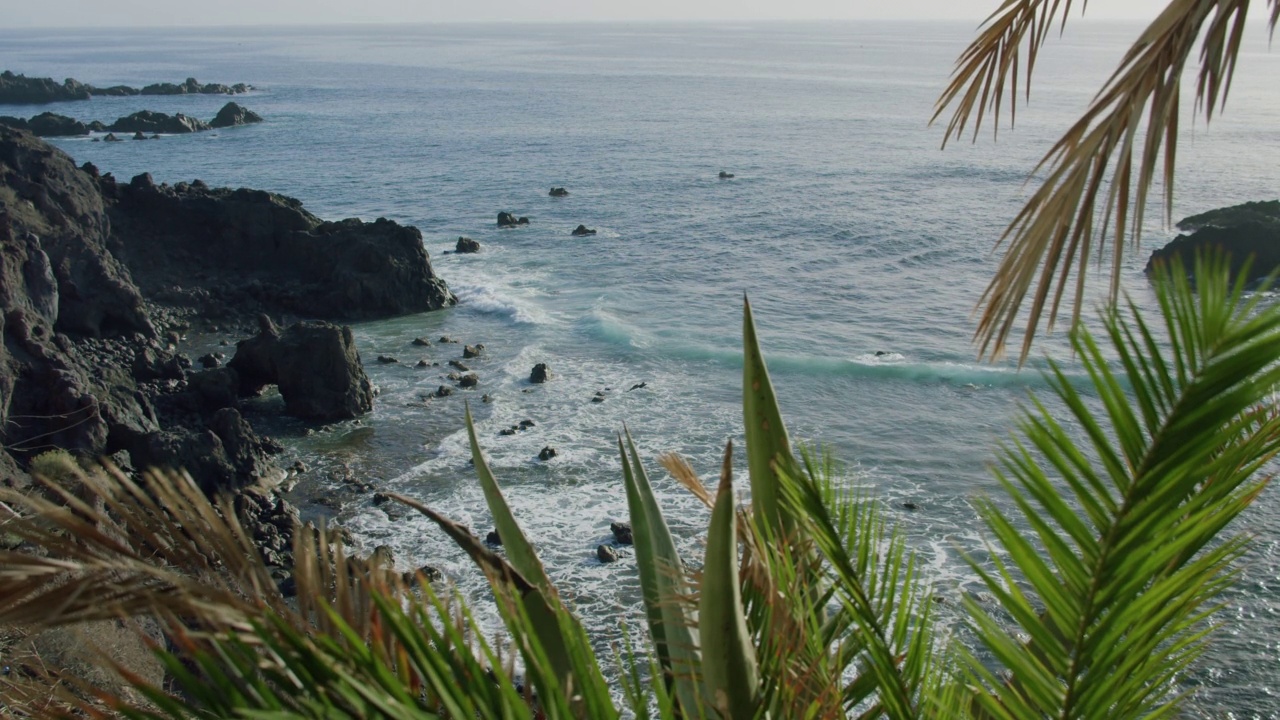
x=78, y=13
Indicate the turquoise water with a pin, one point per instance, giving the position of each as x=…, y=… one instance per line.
x=851, y=231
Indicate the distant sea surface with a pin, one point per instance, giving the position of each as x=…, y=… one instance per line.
x=862, y=245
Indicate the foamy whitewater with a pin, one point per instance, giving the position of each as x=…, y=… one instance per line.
x=862, y=245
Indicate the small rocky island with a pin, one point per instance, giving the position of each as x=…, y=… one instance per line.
x=21, y=90
x=144, y=121
x=1250, y=231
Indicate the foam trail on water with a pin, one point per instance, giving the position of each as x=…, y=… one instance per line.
x=490, y=301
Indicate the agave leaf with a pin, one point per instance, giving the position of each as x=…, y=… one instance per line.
x=519, y=551
x=728, y=657
x=767, y=443
x=558, y=635
x=662, y=580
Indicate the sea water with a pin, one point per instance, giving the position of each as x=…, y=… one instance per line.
x=862, y=246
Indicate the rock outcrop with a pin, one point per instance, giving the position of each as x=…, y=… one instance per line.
x=248, y=251
x=1248, y=233
x=314, y=364
x=582, y=230
x=194, y=87
x=233, y=114
x=507, y=220
x=145, y=121
x=467, y=245
x=149, y=121
x=87, y=365
x=47, y=125
x=82, y=366
x=22, y=90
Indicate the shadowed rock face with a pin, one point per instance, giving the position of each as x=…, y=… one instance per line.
x=244, y=251
x=82, y=365
x=148, y=121
x=315, y=366
x=1249, y=232
x=233, y=114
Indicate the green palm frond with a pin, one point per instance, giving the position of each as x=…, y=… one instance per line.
x=1117, y=562
x=1100, y=173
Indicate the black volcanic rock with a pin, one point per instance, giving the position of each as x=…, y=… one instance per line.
x=82, y=363
x=193, y=87
x=53, y=125
x=232, y=114
x=149, y=121
x=1247, y=232
x=22, y=90
x=314, y=364
x=47, y=125
x=262, y=252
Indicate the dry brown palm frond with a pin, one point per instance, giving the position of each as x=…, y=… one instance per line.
x=1100, y=173
x=129, y=550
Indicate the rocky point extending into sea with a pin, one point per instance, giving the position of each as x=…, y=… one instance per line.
x=16, y=89
x=100, y=279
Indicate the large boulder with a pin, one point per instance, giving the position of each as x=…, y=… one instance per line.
x=233, y=114
x=53, y=125
x=467, y=245
x=1249, y=232
x=314, y=364
x=149, y=121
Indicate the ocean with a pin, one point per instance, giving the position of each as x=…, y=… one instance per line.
x=862, y=246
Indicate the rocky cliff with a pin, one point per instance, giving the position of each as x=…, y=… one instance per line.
x=92, y=272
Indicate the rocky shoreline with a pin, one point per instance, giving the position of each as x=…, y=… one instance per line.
x=100, y=280
x=18, y=89
x=1248, y=233
x=50, y=124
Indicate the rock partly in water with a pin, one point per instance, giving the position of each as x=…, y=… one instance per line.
x=22, y=90
x=472, y=351
x=1249, y=232
x=621, y=532
x=582, y=230
x=546, y=453
x=48, y=125
x=232, y=115
x=149, y=121
x=540, y=373
x=558, y=192
x=467, y=245
x=507, y=220
x=606, y=554
x=314, y=364
x=724, y=175
x=244, y=251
